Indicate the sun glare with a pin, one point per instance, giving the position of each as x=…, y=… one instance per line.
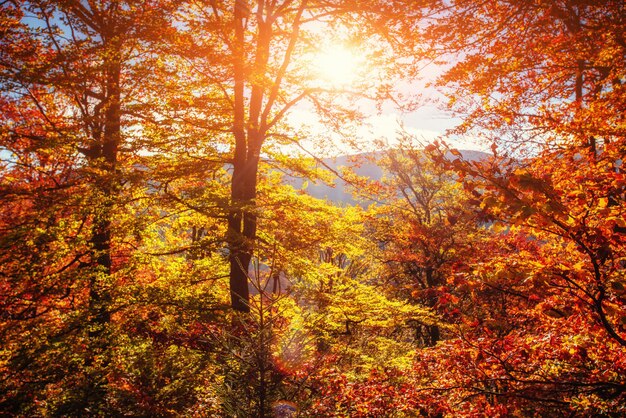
x=337, y=65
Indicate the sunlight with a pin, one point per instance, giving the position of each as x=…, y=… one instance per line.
x=337, y=65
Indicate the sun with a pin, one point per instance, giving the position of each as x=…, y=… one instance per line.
x=337, y=65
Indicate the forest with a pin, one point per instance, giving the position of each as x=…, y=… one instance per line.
x=162, y=254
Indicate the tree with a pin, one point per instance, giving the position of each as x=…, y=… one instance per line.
x=543, y=81
x=542, y=72
x=317, y=309
x=256, y=66
x=426, y=230
x=68, y=72
x=571, y=115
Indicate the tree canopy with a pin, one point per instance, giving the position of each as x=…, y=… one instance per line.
x=156, y=258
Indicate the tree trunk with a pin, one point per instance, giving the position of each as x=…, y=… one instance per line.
x=242, y=218
x=242, y=224
x=239, y=258
x=107, y=187
x=106, y=184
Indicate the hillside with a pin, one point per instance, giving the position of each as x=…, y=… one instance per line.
x=363, y=165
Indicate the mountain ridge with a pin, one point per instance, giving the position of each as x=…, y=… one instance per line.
x=363, y=165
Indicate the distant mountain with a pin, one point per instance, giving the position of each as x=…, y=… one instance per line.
x=366, y=167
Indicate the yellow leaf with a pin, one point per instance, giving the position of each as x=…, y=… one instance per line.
x=498, y=227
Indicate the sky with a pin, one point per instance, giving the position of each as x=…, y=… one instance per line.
x=337, y=66
x=426, y=124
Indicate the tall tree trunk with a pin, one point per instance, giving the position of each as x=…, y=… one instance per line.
x=240, y=236
x=249, y=137
x=240, y=251
x=107, y=186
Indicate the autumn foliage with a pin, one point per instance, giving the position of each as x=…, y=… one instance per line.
x=157, y=260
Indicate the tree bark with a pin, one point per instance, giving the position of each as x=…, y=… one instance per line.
x=240, y=253
x=249, y=137
x=107, y=188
